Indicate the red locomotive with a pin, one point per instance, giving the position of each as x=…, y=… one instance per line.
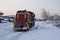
x=24, y=20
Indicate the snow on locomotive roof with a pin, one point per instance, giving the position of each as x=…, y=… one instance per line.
x=21, y=11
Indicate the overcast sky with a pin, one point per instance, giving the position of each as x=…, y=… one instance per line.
x=10, y=7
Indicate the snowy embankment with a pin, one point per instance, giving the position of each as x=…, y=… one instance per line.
x=41, y=31
x=5, y=29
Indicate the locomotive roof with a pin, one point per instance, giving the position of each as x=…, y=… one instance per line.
x=30, y=12
x=19, y=11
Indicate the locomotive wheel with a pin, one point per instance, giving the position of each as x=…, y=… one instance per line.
x=31, y=24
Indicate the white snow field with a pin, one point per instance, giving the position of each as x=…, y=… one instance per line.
x=41, y=31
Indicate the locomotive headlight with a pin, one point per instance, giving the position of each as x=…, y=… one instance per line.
x=17, y=16
x=25, y=16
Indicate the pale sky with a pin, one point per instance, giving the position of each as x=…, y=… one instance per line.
x=9, y=7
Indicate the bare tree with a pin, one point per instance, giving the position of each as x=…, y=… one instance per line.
x=45, y=14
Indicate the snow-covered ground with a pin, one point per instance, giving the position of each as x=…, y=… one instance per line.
x=41, y=31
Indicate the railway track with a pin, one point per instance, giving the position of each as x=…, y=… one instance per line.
x=12, y=36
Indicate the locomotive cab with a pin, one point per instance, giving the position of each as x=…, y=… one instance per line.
x=24, y=20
